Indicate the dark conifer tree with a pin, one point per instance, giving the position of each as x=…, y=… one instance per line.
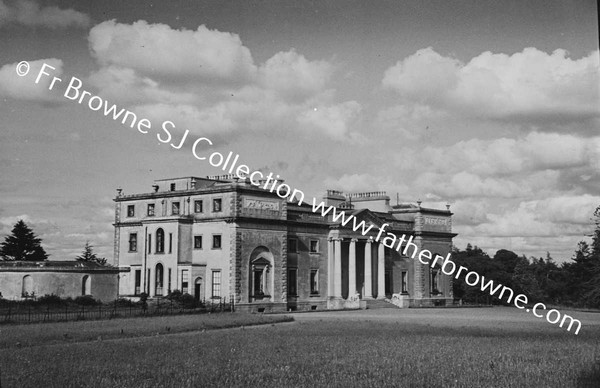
x=22, y=244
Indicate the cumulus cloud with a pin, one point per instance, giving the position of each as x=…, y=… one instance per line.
x=292, y=74
x=25, y=88
x=332, y=120
x=527, y=85
x=30, y=13
x=157, y=49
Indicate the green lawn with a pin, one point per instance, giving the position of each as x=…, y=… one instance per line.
x=499, y=347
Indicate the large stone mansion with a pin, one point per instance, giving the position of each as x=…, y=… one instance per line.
x=221, y=237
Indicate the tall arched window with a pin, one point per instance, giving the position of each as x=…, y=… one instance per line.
x=158, y=282
x=86, y=285
x=160, y=240
x=27, y=287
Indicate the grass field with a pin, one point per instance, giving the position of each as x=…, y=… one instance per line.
x=486, y=347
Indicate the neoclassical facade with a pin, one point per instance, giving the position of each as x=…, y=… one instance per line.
x=222, y=238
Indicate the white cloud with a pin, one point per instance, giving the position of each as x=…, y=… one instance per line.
x=30, y=13
x=527, y=85
x=159, y=50
x=292, y=74
x=25, y=88
x=332, y=120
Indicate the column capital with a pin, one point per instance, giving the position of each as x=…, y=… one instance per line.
x=354, y=240
x=337, y=239
x=370, y=240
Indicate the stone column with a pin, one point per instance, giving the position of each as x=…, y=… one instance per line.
x=352, y=269
x=330, y=269
x=381, y=272
x=337, y=270
x=368, y=275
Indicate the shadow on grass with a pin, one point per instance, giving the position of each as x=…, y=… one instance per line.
x=590, y=378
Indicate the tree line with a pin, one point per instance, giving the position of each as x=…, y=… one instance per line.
x=573, y=283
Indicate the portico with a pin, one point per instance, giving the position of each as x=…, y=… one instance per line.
x=357, y=268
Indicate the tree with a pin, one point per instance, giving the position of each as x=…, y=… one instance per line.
x=22, y=245
x=89, y=255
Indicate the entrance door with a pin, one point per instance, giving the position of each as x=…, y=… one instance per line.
x=388, y=283
x=198, y=289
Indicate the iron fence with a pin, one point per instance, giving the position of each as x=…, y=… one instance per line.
x=19, y=313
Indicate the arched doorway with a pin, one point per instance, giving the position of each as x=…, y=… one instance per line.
x=158, y=282
x=27, y=287
x=86, y=285
x=198, y=289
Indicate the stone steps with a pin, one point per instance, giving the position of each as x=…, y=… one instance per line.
x=380, y=304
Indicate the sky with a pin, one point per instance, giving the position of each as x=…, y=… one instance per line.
x=492, y=107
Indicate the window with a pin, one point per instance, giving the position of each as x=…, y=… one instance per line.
x=160, y=241
x=434, y=281
x=292, y=245
x=217, y=202
x=169, y=282
x=149, y=243
x=197, y=242
x=216, y=284
x=130, y=210
x=172, y=186
x=314, y=281
x=293, y=282
x=184, y=281
x=158, y=280
x=175, y=208
x=404, y=282
x=314, y=246
x=170, y=242
x=217, y=241
x=198, y=207
x=138, y=282
x=132, y=242
x=150, y=209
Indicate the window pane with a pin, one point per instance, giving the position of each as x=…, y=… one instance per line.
x=314, y=278
x=314, y=246
x=217, y=241
x=175, y=208
x=198, y=207
x=293, y=282
x=198, y=242
x=217, y=205
x=130, y=210
x=150, y=209
x=216, y=284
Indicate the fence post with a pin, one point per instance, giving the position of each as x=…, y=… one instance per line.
x=29, y=314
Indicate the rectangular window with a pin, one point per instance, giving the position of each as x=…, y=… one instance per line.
x=148, y=282
x=132, y=242
x=198, y=207
x=404, y=282
x=293, y=282
x=217, y=202
x=184, y=281
x=172, y=186
x=138, y=282
x=149, y=243
x=314, y=246
x=216, y=284
x=169, y=281
x=175, y=208
x=150, y=209
x=216, y=241
x=314, y=281
x=130, y=210
x=292, y=245
x=170, y=242
x=197, y=242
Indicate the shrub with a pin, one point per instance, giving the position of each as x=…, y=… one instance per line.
x=124, y=302
x=86, y=300
x=51, y=300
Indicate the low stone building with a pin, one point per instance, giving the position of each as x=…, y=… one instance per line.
x=26, y=279
x=224, y=238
